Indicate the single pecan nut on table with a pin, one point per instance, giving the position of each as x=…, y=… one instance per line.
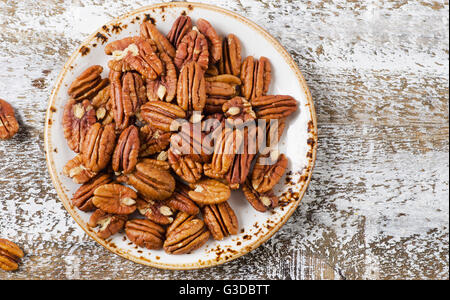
x=193, y=47
x=115, y=199
x=268, y=171
x=231, y=56
x=260, y=201
x=77, y=171
x=152, y=181
x=191, y=88
x=181, y=27
x=162, y=115
x=149, y=31
x=209, y=191
x=135, y=53
x=221, y=220
x=77, y=120
x=10, y=255
x=186, y=237
x=126, y=153
x=164, y=88
x=145, y=233
x=256, y=77
x=88, y=84
x=185, y=167
x=98, y=147
x=153, y=140
x=83, y=196
x=214, y=40
x=103, y=106
x=8, y=122
x=156, y=211
x=274, y=107
x=109, y=224
x=222, y=86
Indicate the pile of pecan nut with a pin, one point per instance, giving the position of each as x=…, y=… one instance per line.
x=164, y=140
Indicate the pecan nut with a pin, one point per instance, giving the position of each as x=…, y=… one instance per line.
x=149, y=31
x=209, y=191
x=214, y=40
x=256, y=77
x=98, y=147
x=268, y=171
x=83, y=196
x=153, y=140
x=126, y=154
x=162, y=115
x=274, y=107
x=158, y=212
x=115, y=199
x=77, y=171
x=193, y=47
x=77, y=120
x=239, y=108
x=145, y=233
x=185, y=167
x=222, y=86
x=133, y=89
x=186, y=237
x=104, y=106
x=8, y=122
x=109, y=224
x=191, y=142
x=214, y=105
x=181, y=201
x=221, y=220
x=181, y=27
x=260, y=201
x=10, y=255
x=191, y=88
x=88, y=84
x=152, y=181
x=165, y=87
x=231, y=56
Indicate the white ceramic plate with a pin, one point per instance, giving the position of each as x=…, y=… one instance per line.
x=298, y=143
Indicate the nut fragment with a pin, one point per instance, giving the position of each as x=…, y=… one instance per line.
x=77, y=171
x=193, y=47
x=209, y=191
x=88, y=84
x=77, y=120
x=115, y=199
x=187, y=237
x=8, y=122
x=10, y=255
x=267, y=172
x=165, y=87
x=155, y=211
x=103, y=106
x=222, y=86
x=185, y=167
x=153, y=140
x=260, y=201
x=98, y=147
x=181, y=26
x=127, y=150
x=149, y=31
x=83, y=196
x=239, y=108
x=145, y=233
x=274, y=107
x=221, y=220
x=162, y=115
x=231, y=57
x=191, y=88
x=109, y=224
x=256, y=77
x=214, y=40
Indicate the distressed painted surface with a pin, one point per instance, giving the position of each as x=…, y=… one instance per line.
x=377, y=206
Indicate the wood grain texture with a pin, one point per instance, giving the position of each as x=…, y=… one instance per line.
x=377, y=207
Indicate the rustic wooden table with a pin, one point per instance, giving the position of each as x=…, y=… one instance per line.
x=377, y=207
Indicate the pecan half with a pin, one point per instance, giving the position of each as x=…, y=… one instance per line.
x=8, y=122
x=222, y=86
x=239, y=108
x=134, y=92
x=77, y=171
x=214, y=104
x=256, y=77
x=161, y=115
x=83, y=196
x=209, y=191
x=274, y=107
x=181, y=201
x=77, y=120
x=187, y=237
x=185, y=167
x=181, y=27
x=149, y=31
x=221, y=220
x=122, y=110
x=104, y=106
x=145, y=233
x=127, y=151
x=191, y=89
x=231, y=56
x=260, y=201
x=193, y=47
x=152, y=180
x=190, y=142
x=109, y=224
x=88, y=84
x=165, y=87
x=135, y=53
x=214, y=40
x=98, y=147
x=10, y=255
x=268, y=171
x=115, y=199
x=155, y=211
x=153, y=140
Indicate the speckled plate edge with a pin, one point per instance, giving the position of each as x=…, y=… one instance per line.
x=214, y=262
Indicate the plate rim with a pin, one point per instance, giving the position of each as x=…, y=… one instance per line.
x=212, y=262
